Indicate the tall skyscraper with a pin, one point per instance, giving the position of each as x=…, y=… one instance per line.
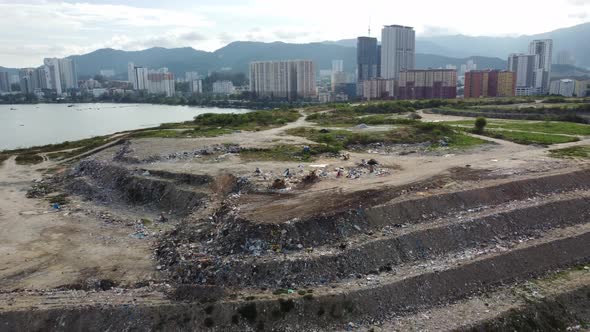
x=367, y=58
x=137, y=76
x=68, y=74
x=398, y=45
x=25, y=76
x=60, y=75
x=542, y=72
x=132, y=75
x=4, y=82
x=289, y=79
x=52, y=73
x=523, y=65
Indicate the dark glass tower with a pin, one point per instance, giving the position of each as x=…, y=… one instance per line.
x=367, y=57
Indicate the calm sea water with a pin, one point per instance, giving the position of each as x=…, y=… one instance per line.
x=24, y=126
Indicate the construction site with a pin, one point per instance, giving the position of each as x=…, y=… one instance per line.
x=335, y=218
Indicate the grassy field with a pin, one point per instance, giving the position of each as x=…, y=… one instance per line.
x=179, y=133
x=547, y=127
x=408, y=134
x=28, y=159
x=349, y=119
x=574, y=152
x=286, y=153
x=530, y=138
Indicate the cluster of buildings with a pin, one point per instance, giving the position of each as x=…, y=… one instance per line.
x=154, y=81
x=570, y=88
x=56, y=76
x=387, y=71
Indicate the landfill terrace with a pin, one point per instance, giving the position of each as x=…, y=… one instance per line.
x=389, y=216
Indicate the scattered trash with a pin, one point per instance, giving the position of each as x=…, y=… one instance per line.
x=56, y=206
x=279, y=184
x=162, y=218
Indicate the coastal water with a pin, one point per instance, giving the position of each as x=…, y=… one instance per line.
x=23, y=126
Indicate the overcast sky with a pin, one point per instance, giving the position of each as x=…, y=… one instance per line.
x=31, y=30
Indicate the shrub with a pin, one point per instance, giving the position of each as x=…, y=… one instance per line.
x=480, y=124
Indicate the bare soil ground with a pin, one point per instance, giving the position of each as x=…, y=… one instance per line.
x=42, y=248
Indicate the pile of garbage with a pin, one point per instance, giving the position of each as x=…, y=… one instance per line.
x=40, y=188
x=218, y=149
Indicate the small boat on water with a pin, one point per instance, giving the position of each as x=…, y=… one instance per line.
x=70, y=105
x=13, y=109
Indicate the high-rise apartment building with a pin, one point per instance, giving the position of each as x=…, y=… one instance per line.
x=523, y=65
x=61, y=74
x=25, y=76
x=52, y=72
x=223, y=88
x=68, y=74
x=196, y=86
x=138, y=76
x=543, y=48
x=287, y=79
x=489, y=83
x=367, y=58
x=4, y=82
x=397, y=50
x=427, y=84
x=159, y=81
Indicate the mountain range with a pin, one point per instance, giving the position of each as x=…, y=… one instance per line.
x=431, y=52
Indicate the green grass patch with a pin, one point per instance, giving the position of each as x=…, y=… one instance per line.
x=28, y=159
x=574, y=152
x=547, y=127
x=287, y=153
x=351, y=118
x=247, y=121
x=417, y=132
x=530, y=138
x=171, y=133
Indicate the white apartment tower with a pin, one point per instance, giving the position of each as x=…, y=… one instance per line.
x=284, y=79
x=52, y=72
x=68, y=74
x=137, y=76
x=524, y=66
x=543, y=48
x=398, y=50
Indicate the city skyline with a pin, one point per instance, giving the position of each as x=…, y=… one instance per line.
x=78, y=28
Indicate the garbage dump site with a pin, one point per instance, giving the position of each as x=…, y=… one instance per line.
x=194, y=236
